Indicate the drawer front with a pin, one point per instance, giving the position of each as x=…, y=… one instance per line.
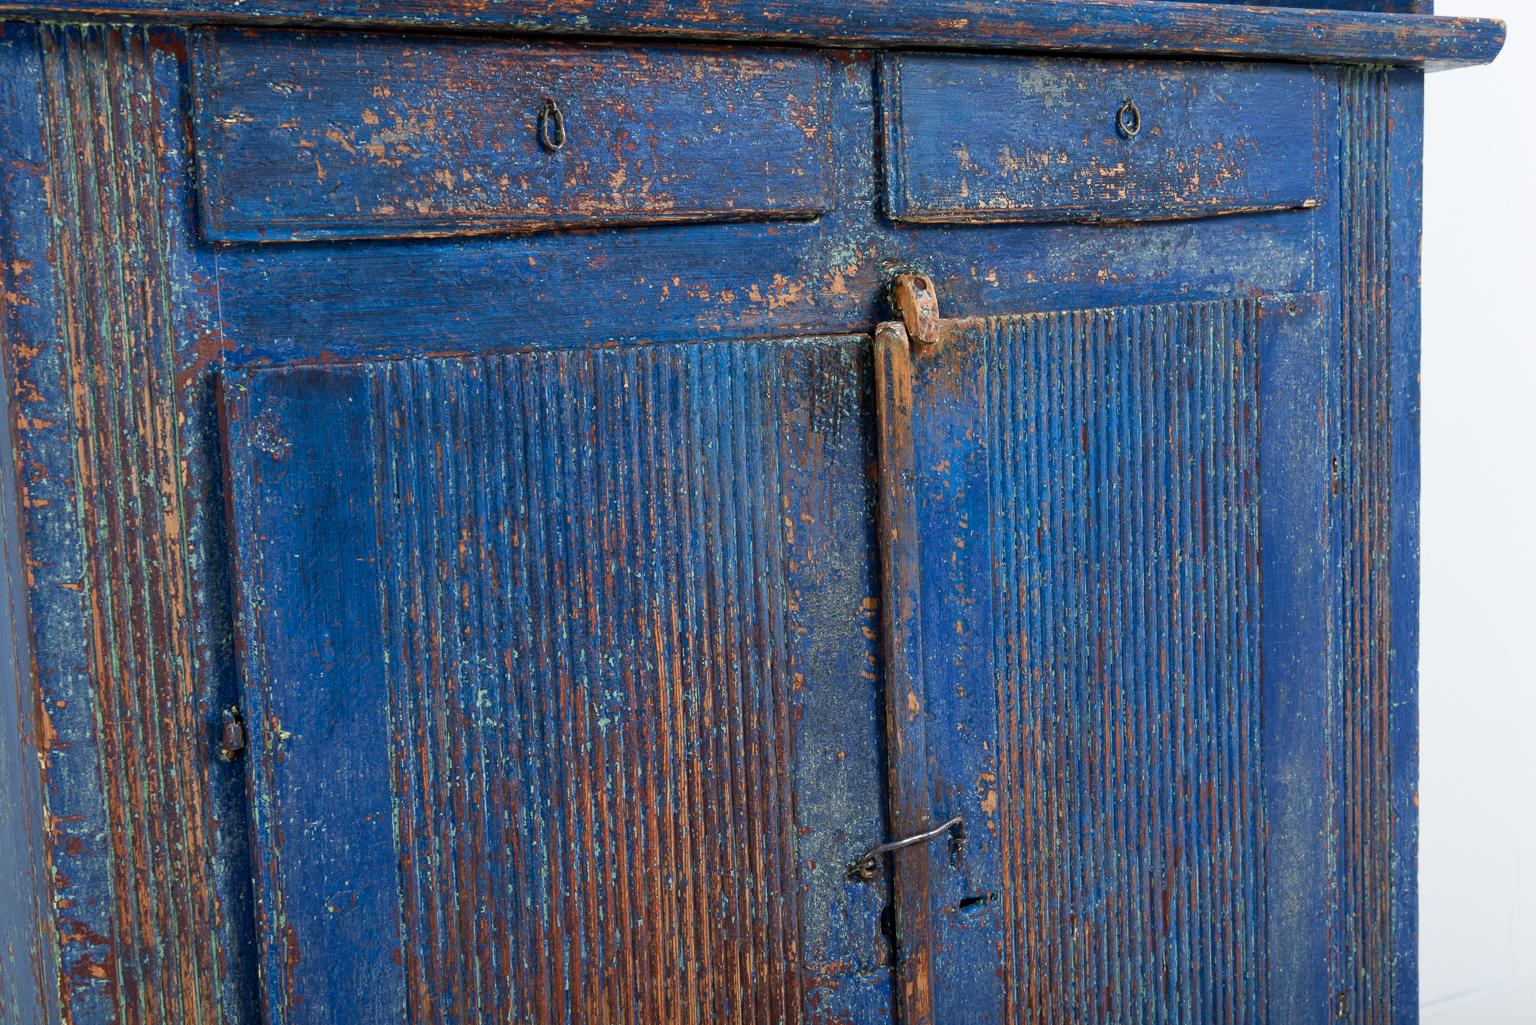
x=1051, y=139
x=340, y=135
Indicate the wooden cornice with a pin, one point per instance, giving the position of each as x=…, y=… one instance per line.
x=1148, y=28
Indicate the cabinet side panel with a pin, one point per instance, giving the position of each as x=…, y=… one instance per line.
x=28, y=952
x=1375, y=552
x=1406, y=106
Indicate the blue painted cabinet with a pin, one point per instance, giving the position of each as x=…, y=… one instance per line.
x=841, y=515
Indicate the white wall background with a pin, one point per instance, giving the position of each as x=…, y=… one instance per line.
x=1478, y=658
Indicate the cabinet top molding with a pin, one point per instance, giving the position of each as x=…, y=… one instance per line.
x=1151, y=28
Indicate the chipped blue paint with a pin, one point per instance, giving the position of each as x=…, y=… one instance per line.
x=626, y=550
x=590, y=428
x=445, y=141
x=28, y=958
x=1340, y=31
x=1095, y=140
x=1129, y=722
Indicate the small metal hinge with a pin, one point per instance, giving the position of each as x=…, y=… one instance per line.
x=917, y=302
x=232, y=735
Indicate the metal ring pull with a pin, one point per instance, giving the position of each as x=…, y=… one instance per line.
x=551, y=126
x=1128, y=120
x=867, y=866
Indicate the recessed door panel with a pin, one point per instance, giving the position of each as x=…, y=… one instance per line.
x=1119, y=550
x=528, y=644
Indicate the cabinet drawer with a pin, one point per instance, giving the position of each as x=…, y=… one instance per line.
x=341, y=135
x=1053, y=139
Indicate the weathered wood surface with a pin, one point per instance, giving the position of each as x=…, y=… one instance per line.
x=987, y=139
x=125, y=896
x=531, y=749
x=332, y=135
x=324, y=300
x=138, y=917
x=1373, y=425
x=908, y=795
x=1123, y=715
x=1083, y=26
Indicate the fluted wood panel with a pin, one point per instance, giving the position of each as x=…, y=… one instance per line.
x=524, y=662
x=1363, y=693
x=587, y=686
x=1125, y=500
x=152, y=958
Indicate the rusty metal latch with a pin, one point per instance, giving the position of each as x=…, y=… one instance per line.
x=917, y=302
x=866, y=867
x=232, y=736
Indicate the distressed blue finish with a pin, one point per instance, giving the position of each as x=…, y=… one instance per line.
x=531, y=749
x=1374, y=550
x=325, y=300
x=766, y=564
x=1405, y=197
x=28, y=958
x=1345, y=31
x=1096, y=489
x=99, y=292
x=433, y=140
x=1294, y=482
x=1198, y=139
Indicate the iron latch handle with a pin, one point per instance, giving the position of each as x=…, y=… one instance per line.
x=867, y=866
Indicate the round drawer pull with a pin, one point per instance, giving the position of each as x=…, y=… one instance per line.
x=551, y=126
x=1128, y=120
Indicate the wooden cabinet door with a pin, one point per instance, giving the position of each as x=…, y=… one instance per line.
x=1105, y=538
x=560, y=675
